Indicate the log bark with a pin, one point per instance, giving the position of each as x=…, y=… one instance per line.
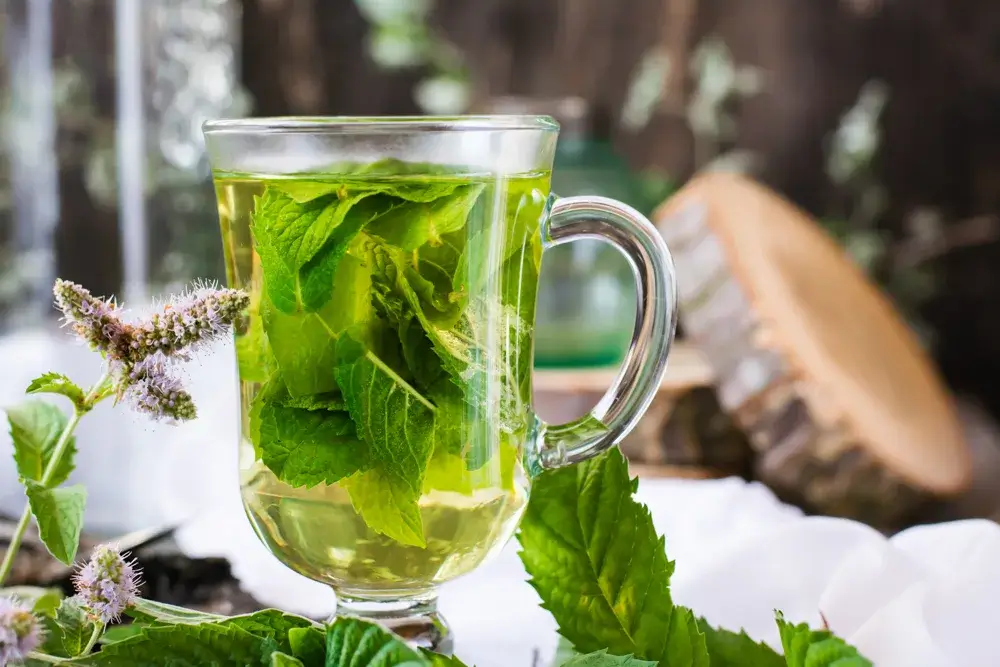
x=846, y=413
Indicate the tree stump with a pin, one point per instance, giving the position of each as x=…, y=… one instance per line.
x=844, y=407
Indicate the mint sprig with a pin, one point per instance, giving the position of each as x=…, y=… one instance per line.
x=737, y=649
x=600, y=568
x=805, y=647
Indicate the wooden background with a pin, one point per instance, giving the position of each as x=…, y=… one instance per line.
x=941, y=133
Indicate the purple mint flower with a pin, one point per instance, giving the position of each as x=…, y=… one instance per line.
x=20, y=632
x=97, y=321
x=107, y=585
x=191, y=319
x=150, y=389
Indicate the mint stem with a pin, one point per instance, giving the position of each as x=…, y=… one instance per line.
x=95, y=395
x=94, y=636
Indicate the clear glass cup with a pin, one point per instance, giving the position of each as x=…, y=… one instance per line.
x=388, y=439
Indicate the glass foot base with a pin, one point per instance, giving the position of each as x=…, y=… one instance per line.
x=416, y=620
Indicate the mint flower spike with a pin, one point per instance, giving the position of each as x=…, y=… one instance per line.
x=151, y=390
x=189, y=320
x=97, y=321
x=20, y=632
x=107, y=585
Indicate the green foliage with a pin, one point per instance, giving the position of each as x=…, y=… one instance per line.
x=35, y=427
x=59, y=514
x=731, y=649
x=816, y=648
x=73, y=628
x=57, y=383
x=603, y=659
x=601, y=570
x=351, y=642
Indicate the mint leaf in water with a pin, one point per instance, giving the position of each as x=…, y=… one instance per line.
x=59, y=514
x=253, y=354
x=387, y=505
x=298, y=231
x=397, y=423
x=351, y=642
x=57, y=383
x=731, y=649
x=283, y=660
x=306, y=447
x=318, y=274
x=410, y=226
x=600, y=569
x=816, y=648
x=35, y=427
x=304, y=344
x=603, y=659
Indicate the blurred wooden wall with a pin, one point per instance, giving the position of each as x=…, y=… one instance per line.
x=941, y=135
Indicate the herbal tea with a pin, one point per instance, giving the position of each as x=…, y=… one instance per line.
x=385, y=368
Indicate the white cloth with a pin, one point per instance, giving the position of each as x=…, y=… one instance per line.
x=925, y=598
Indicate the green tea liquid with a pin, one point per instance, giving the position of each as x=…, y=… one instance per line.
x=468, y=260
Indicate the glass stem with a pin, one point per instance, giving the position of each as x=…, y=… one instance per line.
x=92, y=398
x=415, y=619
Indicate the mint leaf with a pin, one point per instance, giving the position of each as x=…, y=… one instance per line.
x=304, y=344
x=816, y=648
x=308, y=645
x=297, y=231
x=59, y=514
x=425, y=191
x=35, y=427
x=392, y=417
x=184, y=646
x=253, y=354
x=438, y=660
x=317, y=275
x=74, y=628
x=305, y=349
x=603, y=659
x=387, y=505
x=119, y=633
x=412, y=225
x=281, y=284
x=150, y=611
x=599, y=567
x=305, y=447
x=283, y=660
x=272, y=624
x=290, y=633
x=331, y=401
x=351, y=642
x=57, y=383
x=729, y=649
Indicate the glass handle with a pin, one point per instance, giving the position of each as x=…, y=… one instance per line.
x=574, y=218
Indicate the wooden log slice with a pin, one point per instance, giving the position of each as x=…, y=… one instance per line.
x=683, y=433
x=844, y=407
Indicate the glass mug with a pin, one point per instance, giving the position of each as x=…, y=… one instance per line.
x=388, y=440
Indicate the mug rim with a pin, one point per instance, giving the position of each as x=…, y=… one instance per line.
x=380, y=124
